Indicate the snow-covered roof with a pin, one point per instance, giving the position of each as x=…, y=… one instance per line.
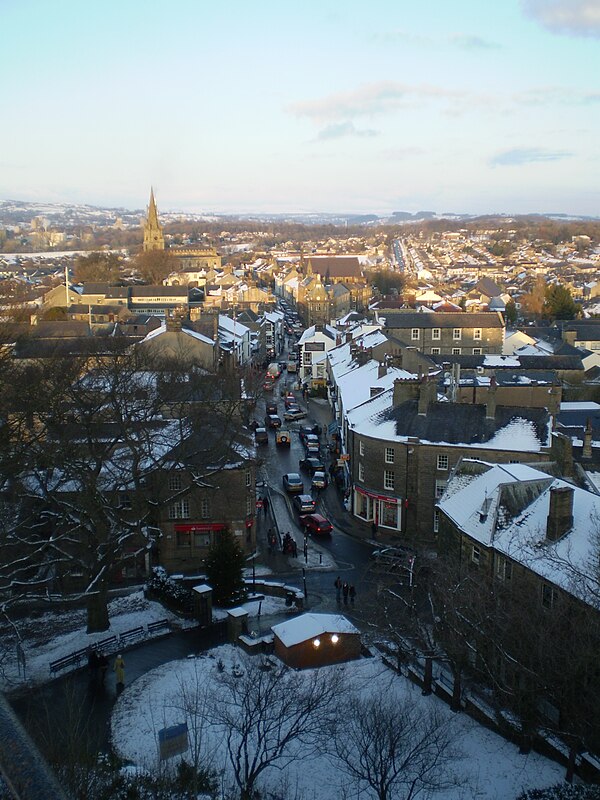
x=186, y=331
x=476, y=503
x=310, y=333
x=355, y=386
x=582, y=406
x=307, y=626
x=232, y=326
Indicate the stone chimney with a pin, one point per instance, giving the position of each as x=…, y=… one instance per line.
x=173, y=322
x=554, y=398
x=427, y=394
x=318, y=327
x=405, y=390
x=490, y=405
x=560, y=515
x=348, y=336
x=364, y=356
x=587, y=440
x=382, y=369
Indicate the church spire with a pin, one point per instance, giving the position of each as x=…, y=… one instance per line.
x=153, y=234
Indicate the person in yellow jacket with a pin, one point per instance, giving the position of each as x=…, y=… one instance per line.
x=119, y=668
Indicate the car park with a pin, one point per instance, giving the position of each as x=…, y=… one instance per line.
x=319, y=480
x=293, y=483
x=304, y=504
x=293, y=414
x=311, y=464
x=316, y=523
x=272, y=421
x=261, y=436
x=283, y=438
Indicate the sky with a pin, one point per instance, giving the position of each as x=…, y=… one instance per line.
x=463, y=106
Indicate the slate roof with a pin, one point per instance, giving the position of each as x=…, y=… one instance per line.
x=336, y=266
x=488, y=287
x=159, y=291
x=462, y=423
x=415, y=319
x=529, y=363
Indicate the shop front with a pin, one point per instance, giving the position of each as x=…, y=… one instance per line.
x=384, y=511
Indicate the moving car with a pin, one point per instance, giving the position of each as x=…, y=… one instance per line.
x=261, y=436
x=268, y=385
x=292, y=483
x=316, y=523
x=319, y=480
x=272, y=421
x=307, y=430
x=289, y=400
x=271, y=407
x=294, y=413
x=312, y=444
x=312, y=464
x=283, y=438
x=304, y=504
x=273, y=370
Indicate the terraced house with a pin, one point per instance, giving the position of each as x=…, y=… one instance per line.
x=446, y=333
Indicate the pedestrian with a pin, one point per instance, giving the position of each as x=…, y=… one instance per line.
x=93, y=663
x=103, y=667
x=374, y=529
x=270, y=540
x=345, y=590
x=294, y=549
x=119, y=668
x=338, y=589
x=266, y=505
x=352, y=593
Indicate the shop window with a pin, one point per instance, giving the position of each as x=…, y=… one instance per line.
x=388, y=515
x=183, y=539
x=202, y=540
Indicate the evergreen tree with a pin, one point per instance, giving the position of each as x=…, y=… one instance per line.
x=224, y=566
x=558, y=303
x=511, y=312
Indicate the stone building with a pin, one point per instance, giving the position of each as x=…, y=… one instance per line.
x=440, y=333
x=153, y=232
x=403, y=445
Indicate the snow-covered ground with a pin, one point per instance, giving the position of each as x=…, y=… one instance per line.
x=488, y=767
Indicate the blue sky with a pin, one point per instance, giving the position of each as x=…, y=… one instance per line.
x=330, y=105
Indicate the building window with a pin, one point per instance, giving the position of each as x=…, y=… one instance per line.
x=361, y=448
x=436, y=334
x=442, y=462
x=475, y=554
x=414, y=334
x=440, y=487
x=436, y=520
x=180, y=509
x=202, y=540
x=389, y=455
x=388, y=479
x=456, y=351
x=388, y=515
x=549, y=595
x=175, y=481
x=248, y=477
x=477, y=334
x=435, y=351
x=183, y=539
x=477, y=351
x=205, y=508
x=124, y=501
x=503, y=569
x=361, y=472
x=457, y=334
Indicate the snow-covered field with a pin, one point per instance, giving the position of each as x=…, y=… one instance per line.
x=488, y=767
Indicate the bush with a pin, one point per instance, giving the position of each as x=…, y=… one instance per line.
x=165, y=589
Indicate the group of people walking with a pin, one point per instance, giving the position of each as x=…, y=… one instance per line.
x=345, y=590
x=98, y=667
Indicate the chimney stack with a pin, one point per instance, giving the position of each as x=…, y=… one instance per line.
x=587, y=440
x=405, y=390
x=490, y=406
x=382, y=369
x=348, y=336
x=560, y=515
x=427, y=394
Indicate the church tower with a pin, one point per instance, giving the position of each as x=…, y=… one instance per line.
x=153, y=233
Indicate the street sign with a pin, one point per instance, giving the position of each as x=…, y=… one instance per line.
x=173, y=741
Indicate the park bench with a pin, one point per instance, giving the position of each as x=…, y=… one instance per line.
x=72, y=660
x=108, y=645
x=129, y=636
x=161, y=624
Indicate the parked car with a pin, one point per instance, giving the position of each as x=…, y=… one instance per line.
x=319, y=480
x=272, y=421
x=294, y=413
x=268, y=385
x=271, y=407
x=273, y=370
x=290, y=400
x=394, y=559
x=316, y=523
x=312, y=464
x=261, y=436
x=283, y=438
x=304, y=504
x=292, y=483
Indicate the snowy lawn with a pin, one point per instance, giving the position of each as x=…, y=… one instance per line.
x=487, y=766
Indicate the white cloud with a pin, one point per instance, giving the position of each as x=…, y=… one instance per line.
x=371, y=98
x=527, y=155
x=339, y=130
x=572, y=17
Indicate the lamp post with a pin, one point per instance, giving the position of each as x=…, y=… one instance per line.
x=304, y=583
x=253, y=572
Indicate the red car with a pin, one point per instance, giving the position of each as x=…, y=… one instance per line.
x=316, y=523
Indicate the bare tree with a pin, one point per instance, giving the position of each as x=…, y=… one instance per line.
x=272, y=716
x=394, y=749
